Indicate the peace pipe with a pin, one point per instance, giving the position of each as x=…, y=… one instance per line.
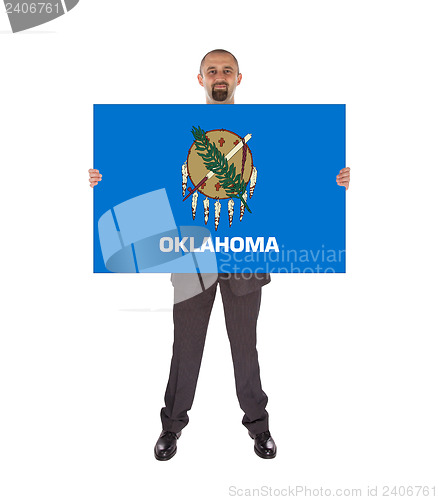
x=229, y=155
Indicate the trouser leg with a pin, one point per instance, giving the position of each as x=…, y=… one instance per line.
x=241, y=313
x=191, y=318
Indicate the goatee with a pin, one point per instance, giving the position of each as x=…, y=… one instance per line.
x=220, y=94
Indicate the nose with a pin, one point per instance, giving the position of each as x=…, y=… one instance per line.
x=221, y=76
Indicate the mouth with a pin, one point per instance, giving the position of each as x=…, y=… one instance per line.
x=220, y=87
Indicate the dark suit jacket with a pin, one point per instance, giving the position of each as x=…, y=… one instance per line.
x=187, y=285
x=244, y=283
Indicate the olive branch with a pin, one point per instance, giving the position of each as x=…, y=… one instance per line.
x=232, y=183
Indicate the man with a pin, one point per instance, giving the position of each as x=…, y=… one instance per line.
x=241, y=294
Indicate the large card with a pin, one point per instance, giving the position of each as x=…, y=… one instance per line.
x=220, y=188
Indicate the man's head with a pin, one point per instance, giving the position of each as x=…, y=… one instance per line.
x=219, y=75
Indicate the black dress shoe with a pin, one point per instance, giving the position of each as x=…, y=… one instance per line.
x=265, y=447
x=166, y=446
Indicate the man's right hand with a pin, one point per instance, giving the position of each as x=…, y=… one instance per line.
x=95, y=177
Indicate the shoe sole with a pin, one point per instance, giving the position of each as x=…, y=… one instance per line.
x=163, y=459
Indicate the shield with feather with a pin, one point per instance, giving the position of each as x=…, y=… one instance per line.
x=220, y=167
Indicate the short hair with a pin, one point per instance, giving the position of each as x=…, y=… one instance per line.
x=218, y=51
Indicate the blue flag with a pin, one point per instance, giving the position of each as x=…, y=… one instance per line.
x=233, y=188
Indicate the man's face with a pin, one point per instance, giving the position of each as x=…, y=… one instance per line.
x=219, y=78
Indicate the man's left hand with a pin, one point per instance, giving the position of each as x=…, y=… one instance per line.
x=344, y=177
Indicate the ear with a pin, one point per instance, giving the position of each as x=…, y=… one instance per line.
x=239, y=79
x=200, y=80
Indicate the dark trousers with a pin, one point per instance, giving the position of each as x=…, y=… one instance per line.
x=191, y=318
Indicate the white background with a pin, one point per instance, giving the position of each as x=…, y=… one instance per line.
x=349, y=362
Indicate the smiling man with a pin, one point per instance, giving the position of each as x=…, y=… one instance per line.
x=219, y=75
x=241, y=295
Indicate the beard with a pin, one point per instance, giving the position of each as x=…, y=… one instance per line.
x=220, y=95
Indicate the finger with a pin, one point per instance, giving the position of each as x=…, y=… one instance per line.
x=93, y=184
x=96, y=176
x=343, y=176
x=346, y=184
x=346, y=169
x=93, y=170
